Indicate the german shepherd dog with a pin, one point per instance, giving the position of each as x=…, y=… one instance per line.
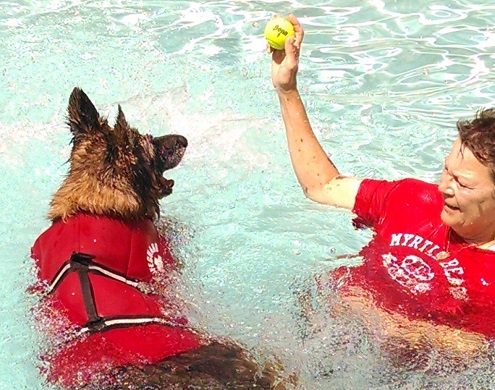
x=105, y=269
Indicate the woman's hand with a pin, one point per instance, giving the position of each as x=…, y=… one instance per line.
x=285, y=62
x=450, y=343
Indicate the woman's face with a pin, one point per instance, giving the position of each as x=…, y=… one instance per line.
x=469, y=196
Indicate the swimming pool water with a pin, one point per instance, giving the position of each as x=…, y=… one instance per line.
x=383, y=81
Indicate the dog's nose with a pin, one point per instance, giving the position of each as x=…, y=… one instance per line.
x=182, y=141
x=171, y=141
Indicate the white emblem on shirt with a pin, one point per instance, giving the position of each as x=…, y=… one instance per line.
x=415, y=274
x=412, y=272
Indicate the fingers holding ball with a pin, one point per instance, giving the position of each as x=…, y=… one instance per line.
x=277, y=30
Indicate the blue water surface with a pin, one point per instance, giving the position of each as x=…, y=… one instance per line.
x=384, y=83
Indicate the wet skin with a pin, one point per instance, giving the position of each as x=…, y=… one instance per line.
x=468, y=190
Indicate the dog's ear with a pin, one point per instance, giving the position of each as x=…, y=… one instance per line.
x=122, y=132
x=83, y=116
x=121, y=126
x=121, y=122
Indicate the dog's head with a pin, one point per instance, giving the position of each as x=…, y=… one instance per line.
x=114, y=171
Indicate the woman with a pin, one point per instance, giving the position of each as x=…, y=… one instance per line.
x=429, y=271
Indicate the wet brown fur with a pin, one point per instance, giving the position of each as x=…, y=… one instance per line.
x=217, y=366
x=117, y=172
x=113, y=171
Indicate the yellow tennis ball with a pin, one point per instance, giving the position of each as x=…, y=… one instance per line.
x=277, y=30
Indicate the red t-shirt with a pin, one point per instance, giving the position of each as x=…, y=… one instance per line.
x=416, y=265
x=134, y=250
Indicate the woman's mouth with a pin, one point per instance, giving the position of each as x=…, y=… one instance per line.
x=448, y=207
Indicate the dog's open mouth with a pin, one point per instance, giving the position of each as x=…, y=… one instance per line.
x=166, y=186
x=170, y=150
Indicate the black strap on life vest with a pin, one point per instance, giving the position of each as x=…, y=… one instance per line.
x=83, y=264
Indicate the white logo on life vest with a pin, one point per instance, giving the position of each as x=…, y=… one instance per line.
x=412, y=272
x=155, y=260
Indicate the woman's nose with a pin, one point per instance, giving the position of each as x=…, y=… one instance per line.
x=445, y=185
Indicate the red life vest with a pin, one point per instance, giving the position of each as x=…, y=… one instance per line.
x=94, y=267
